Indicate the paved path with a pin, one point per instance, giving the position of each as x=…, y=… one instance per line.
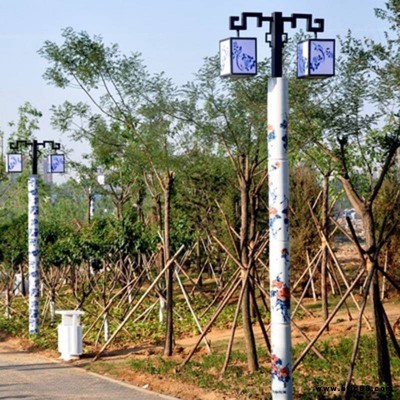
x=29, y=376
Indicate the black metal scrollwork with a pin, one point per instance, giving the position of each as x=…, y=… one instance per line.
x=276, y=35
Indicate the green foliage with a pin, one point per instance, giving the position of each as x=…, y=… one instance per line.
x=13, y=244
x=27, y=123
x=58, y=244
x=304, y=190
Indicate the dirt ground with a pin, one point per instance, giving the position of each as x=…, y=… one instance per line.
x=343, y=325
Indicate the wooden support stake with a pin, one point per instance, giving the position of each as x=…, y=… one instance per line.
x=384, y=277
x=108, y=306
x=389, y=278
x=231, y=282
x=390, y=331
x=261, y=322
x=138, y=303
x=337, y=264
x=185, y=295
x=212, y=320
x=358, y=335
x=304, y=292
x=233, y=329
x=336, y=309
x=312, y=280
x=313, y=348
x=316, y=260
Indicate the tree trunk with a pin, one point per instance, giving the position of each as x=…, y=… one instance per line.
x=383, y=357
x=74, y=281
x=105, y=327
x=169, y=334
x=139, y=205
x=365, y=209
x=52, y=306
x=249, y=339
x=8, y=303
x=160, y=262
x=23, y=284
x=89, y=206
x=254, y=201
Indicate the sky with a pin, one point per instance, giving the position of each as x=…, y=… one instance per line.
x=173, y=36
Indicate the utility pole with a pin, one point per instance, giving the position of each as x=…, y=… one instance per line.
x=33, y=228
x=315, y=60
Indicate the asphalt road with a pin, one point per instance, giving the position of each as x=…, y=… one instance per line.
x=29, y=376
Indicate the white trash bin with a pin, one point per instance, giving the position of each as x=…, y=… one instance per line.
x=70, y=334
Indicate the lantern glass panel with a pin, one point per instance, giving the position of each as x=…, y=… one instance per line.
x=316, y=58
x=56, y=164
x=322, y=57
x=238, y=57
x=14, y=163
x=224, y=55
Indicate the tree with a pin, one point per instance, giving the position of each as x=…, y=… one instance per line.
x=354, y=128
x=228, y=117
x=128, y=101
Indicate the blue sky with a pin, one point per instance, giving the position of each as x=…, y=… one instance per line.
x=173, y=36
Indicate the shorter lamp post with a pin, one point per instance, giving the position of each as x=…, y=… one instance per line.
x=15, y=165
x=315, y=58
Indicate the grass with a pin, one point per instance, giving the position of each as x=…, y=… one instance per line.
x=334, y=370
x=205, y=371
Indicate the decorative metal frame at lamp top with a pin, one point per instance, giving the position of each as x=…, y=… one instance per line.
x=277, y=38
x=35, y=149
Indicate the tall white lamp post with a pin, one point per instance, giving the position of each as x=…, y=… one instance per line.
x=315, y=60
x=14, y=165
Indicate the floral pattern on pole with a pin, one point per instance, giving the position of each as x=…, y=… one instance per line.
x=33, y=254
x=285, y=139
x=280, y=297
x=278, y=137
x=279, y=217
x=271, y=133
x=280, y=372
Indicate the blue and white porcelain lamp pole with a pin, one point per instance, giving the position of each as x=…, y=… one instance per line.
x=14, y=165
x=315, y=60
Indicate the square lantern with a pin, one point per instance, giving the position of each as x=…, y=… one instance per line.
x=56, y=164
x=238, y=56
x=316, y=58
x=14, y=163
